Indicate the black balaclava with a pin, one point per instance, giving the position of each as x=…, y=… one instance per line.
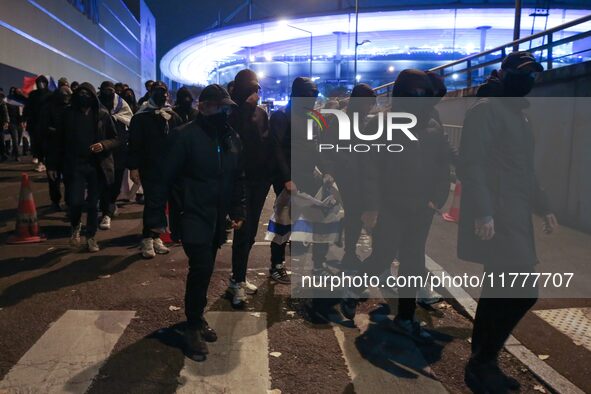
x=107, y=94
x=517, y=84
x=411, y=92
x=305, y=91
x=359, y=101
x=41, y=82
x=85, y=97
x=119, y=87
x=184, y=98
x=245, y=84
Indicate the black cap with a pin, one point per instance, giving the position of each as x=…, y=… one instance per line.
x=216, y=93
x=159, y=85
x=521, y=60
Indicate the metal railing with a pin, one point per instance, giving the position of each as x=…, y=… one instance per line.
x=472, y=62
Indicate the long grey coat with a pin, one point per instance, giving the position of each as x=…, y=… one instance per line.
x=496, y=168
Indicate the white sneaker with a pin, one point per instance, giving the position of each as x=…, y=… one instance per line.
x=35, y=160
x=250, y=288
x=75, y=236
x=92, y=245
x=40, y=167
x=105, y=223
x=159, y=246
x=147, y=248
x=238, y=292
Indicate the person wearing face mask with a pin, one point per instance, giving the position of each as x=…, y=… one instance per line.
x=81, y=147
x=303, y=94
x=32, y=113
x=129, y=97
x=409, y=187
x=121, y=114
x=184, y=105
x=500, y=193
x=50, y=118
x=251, y=122
x=205, y=157
x=148, y=132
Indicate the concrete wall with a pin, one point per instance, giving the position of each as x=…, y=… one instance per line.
x=52, y=37
x=563, y=143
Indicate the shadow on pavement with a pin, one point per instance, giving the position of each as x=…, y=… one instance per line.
x=76, y=272
x=15, y=265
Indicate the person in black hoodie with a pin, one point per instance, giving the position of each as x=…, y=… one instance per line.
x=15, y=103
x=148, y=133
x=50, y=119
x=4, y=122
x=81, y=148
x=409, y=187
x=252, y=125
x=32, y=114
x=121, y=114
x=205, y=157
x=146, y=96
x=184, y=105
x=500, y=193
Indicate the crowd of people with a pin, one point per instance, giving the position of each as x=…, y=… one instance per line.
x=208, y=168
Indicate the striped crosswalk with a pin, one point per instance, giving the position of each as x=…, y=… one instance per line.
x=69, y=355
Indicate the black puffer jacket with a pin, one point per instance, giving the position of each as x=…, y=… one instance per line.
x=207, y=165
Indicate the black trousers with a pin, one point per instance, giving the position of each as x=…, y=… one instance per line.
x=201, y=263
x=110, y=193
x=401, y=235
x=277, y=251
x=149, y=179
x=16, y=136
x=84, y=177
x=55, y=193
x=244, y=238
x=352, y=205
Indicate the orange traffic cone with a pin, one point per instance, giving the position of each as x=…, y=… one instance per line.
x=454, y=212
x=27, y=227
x=165, y=237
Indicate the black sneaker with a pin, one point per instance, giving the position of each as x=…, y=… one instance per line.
x=279, y=274
x=349, y=307
x=487, y=377
x=411, y=329
x=208, y=333
x=195, y=345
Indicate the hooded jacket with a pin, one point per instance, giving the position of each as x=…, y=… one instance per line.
x=35, y=102
x=496, y=168
x=186, y=112
x=251, y=122
x=62, y=154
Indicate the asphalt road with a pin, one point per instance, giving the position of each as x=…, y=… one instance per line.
x=59, y=307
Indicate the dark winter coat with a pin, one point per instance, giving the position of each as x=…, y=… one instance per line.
x=62, y=155
x=183, y=106
x=207, y=164
x=496, y=168
x=35, y=102
x=148, y=136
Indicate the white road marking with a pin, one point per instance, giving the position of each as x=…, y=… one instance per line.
x=237, y=363
x=68, y=356
x=382, y=362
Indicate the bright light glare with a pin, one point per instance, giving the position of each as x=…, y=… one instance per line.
x=261, y=74
x=278, y=81
x=391, y=69
x=455, y=76
x=358, y=77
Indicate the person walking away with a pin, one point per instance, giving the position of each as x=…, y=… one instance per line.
x=82, y=147
x=50, y=119
x=205, y=157
x=500, y=193
x=251, y=122
x=32, y=114
x=149, y=131
x=121, y=114
x=4, y=122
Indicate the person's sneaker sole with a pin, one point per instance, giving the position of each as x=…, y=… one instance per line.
x=196, y=357
x=162, y=251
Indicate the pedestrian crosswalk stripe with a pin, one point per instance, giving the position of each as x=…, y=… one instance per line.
x=68, y=356
x=237, y=363
x=381, y=362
